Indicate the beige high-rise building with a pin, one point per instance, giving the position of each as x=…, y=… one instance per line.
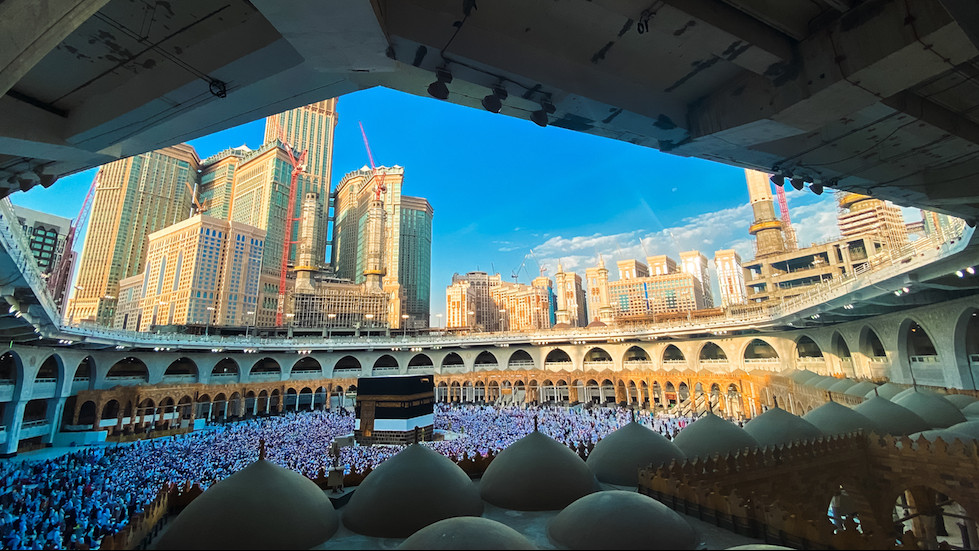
x=470, y=304
x=202, y=271
x=134, y=198
x=217, y=179
x=599, y=305
x=522, y=307
x=766, y=227
x=638, y=298
x=695, y=263
x=310, y=258
x=730, y=277
x=570, y=298
x=863, y=215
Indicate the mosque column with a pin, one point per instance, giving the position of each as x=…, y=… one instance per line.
x=621, y=394
x=13, y=419
x=210, y=409
x=572, y=392
x=56, y=408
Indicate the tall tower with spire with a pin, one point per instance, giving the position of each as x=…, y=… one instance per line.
x=570, y=298
x=310, y=257
x=766, y=227
x=599, y=301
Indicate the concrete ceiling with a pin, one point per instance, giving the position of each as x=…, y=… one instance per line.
x=874, y=96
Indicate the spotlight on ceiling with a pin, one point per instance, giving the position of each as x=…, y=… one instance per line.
x=816, y=188
x=493, y=102
x=905, y=289
x=540, y=116
x=438, y=89
x=959, y=273
x=971, y=270
x=778, y=180
x=797, y=183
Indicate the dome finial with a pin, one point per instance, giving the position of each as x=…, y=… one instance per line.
x=775, y=399
x=261, y=449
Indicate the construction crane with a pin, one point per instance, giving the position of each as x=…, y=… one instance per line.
x=197, y=207
x=542, y=268
x=783, y=209
x=379, y=186
x=61, y=274
x=298, y=167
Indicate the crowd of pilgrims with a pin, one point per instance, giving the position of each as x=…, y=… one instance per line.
x=73, y=501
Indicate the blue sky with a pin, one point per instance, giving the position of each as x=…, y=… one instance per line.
x=501, y=187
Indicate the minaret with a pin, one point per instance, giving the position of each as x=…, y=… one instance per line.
x=561, y=315
x=374, y=267
x=766, y=227
x=309, y=231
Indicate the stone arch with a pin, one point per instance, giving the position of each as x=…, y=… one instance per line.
x=225, y=371
x=486, y=360
x=421, y=362
x=711, y=352
x=672, y=355
x=84, y=374
x=520, y=359
x=110, y=410
x=86, y=414
x=493, y=392
x=598, y=355
x=185, y=408
x=558, y=360
x=12, y=371
x=842, y=352
x=308, y=365
x=635, y=357
x=761, y=354
x=932, y=514
x=385, y=364
x=128, y=371
x=265, y=369
x=347, y=365
x=452, y=360
x=52, y=369
x=805, y=347
x=291, y=401
x=965, y=339
x=870, y=344
x=917, y=350
x=182, y=369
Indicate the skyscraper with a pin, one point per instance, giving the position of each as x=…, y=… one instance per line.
x=730, y=277
x=46, y=234
x=217, y=181
x=406, y=254
x=599, y=300
x=134, y=198
x=310, y=127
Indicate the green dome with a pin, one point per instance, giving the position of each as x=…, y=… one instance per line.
x=620, y=520
x=263, y=506
x=711, y=435
x=467, y=533
x=618, y=457
x=835, y=418
x=777, y=426
x=890, y=417
x=536, y=473
x=409, y=491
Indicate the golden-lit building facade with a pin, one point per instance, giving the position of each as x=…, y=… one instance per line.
x=134, y=197
x=202, y=271
x=730, y=277
x=570, y=298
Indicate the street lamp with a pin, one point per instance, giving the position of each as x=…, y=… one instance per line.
x=329, y=330
x=439, y=324
x=369, y=318
x=502, y=317
x=472, y=324
x=74, y=301
x=289, y=316
x=404, y=326
x=207, y=327
x=250, y=312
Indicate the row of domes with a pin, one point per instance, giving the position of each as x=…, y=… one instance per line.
x=423, y=496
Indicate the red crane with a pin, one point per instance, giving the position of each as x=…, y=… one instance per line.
x=298, y=167
x=379, y=186
x=61, y=275
x=783, y=208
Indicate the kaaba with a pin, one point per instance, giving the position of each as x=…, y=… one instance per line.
x=390, y=408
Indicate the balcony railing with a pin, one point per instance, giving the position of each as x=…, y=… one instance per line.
x=520, y=365
x=877, y=359
x=265, y=376
x=715, y=361
x=925, y=359
x=761, y=360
